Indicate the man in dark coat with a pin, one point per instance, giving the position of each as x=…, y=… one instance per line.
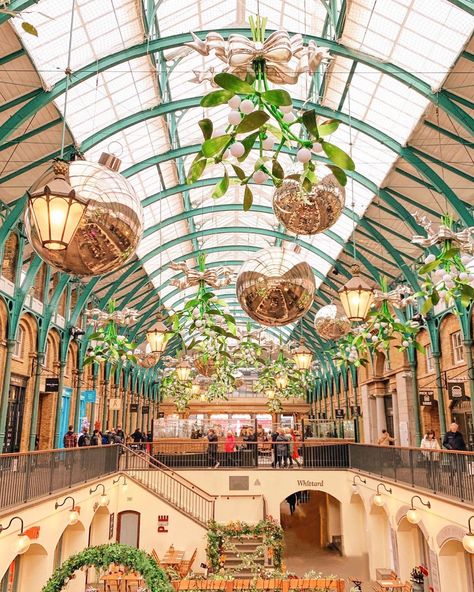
x=453, y=440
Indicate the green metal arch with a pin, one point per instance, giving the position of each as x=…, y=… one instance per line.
x=440, y=98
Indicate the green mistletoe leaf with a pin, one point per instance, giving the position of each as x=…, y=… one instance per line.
x=339, y=174
x=248, y=143
x=309, y=121
x=277, y=170
x=277, y=97
x=196, y=170
x=338, y=156
x=217, y=97
x=213, y=146
x=239, y=172
x=29, y=28
x=428, y=268
x=221, y=187
x=206, y=126
x=248, y=198
x=328, y=127
x=233, y=83
x=252, y=121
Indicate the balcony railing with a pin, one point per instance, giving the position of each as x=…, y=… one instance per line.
x=28, y=476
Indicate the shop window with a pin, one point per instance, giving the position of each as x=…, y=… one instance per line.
x=429, y=359
x=19, y=343
x=457, y=347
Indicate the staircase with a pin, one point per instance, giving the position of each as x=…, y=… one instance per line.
x=242, y=547
x=175, y=490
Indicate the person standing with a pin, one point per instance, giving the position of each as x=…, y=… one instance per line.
x=70, y=438
x=429, y=444
x=291, y=499
x=120, y=433
x=229, y=447
x=385, y=439
x=212, y=448
x=84, y=438
x=454, y=440
x=295, y=452
x=281, y=445
x=96, y=439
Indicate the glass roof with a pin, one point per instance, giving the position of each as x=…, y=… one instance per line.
x=425, y=37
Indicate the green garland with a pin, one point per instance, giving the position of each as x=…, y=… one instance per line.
x=101, y=557
x=219, y=535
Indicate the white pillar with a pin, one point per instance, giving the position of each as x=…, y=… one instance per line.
x=380, y=408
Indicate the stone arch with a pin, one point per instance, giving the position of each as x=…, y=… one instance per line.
x=455, y=567
x=381, y=549
x=34, y=568
x=413, y=539
x=10, y=257
x=449, y=533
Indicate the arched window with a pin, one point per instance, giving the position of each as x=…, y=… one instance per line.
x=19, y=343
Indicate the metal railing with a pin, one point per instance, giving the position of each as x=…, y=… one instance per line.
x=442, y=472
x=173, y=488
x=28, y=476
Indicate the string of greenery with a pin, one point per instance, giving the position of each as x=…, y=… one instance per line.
x=101, y=557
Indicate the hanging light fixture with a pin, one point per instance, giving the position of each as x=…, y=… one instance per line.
x=196, y=389
x=355, y=488
x=468, y=539
x=23, y=542
x=270, y=393
x=125, y=484
x=303, y=357
x=378, y=498
x=183, y=370
x=158, y=337
x=281, y=381
x=73, y=512
x=56, y=210
x=104, y=498
x=356, y=296
x=413, y=516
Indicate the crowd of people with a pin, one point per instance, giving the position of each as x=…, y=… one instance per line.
x=453, y=439
x=116, y=435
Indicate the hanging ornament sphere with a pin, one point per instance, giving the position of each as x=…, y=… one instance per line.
x=310, y=212
x=330, y=324
x=205, y=367
x=108, y=228
x=276, y=287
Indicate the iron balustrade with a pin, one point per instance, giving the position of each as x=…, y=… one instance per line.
x=170, y=486
x=28, y=476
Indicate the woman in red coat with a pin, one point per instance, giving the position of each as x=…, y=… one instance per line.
x=229, y=444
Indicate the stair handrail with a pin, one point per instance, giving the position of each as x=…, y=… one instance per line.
x=155, y=464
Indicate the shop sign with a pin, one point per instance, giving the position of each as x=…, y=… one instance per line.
x=355, y=410
x=111, y=526
x=89, y=396
x=426, y=398
x=161, y=414
x=51, y=385
x=133, y=407
x=145, y=409
x=340, y=413
x=115, y=404
x=163, y=523
x=456, y=390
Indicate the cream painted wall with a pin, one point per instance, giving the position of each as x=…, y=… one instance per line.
x=365, y=529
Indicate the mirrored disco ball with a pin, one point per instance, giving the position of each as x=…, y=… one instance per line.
x=275, y=287
x=329, y=324
x=309, y=213
x=110, y=228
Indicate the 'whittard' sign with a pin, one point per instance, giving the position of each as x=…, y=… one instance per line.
x=304, y=483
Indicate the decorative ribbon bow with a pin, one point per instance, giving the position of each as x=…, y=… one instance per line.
x=210, y=277
x=463, y=239
x=286, y=58
x=100, y=318
x=395, y=297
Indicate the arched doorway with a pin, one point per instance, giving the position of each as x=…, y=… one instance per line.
x=72, y=540
x=98, y=535
x=413, y=547
x=34, y=569
x=456, y=567
x=382, y=548
x=313, y=536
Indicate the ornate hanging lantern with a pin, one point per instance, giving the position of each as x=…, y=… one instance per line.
x=196, y=389
x=281, y=381
x=275, y=287
x=309, y=212
x=84, y=217
x=183, y=370
x=303, y=357
x=356, y=296
x=158, y=337
x=55, y=210
x=329, y=324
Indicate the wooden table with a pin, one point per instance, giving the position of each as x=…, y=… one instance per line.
x=172, y=558
x=391, y=585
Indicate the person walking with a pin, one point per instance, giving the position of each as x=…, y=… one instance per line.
x=212, y=448
x=84, y=438
x=137, y=438
x=281, y=445
x=454, y=441
x=385, y=439
x=291, y=499
x=429, y=444
x=289, y=451
x=295, y=452
x=70, y=438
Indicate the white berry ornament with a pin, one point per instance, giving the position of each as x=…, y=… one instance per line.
x=234, y=102
x=237, y=149
x=259, y=177
x=246, y=106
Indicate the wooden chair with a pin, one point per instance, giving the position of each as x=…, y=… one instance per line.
x=154, y=555
x=185, y=566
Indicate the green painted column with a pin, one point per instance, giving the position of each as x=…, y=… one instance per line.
x=77, y=407
x=94, y=387
x=105, y=408
x=36, y=392
x=6, y=391
x=59, y=400
x=440, y=390
x=416, y=400
x=470, y=370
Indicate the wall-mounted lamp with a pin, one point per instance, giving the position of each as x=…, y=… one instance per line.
x=378, y=498
x=23, y=543
x=125, y=484
x=413, y=515
x=468, y=540
x=73, y=513
x=355, y=489
x=104, y=498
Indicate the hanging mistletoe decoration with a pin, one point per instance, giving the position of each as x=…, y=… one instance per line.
x=261, y=117
x=106, y=343
x=448, y=275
